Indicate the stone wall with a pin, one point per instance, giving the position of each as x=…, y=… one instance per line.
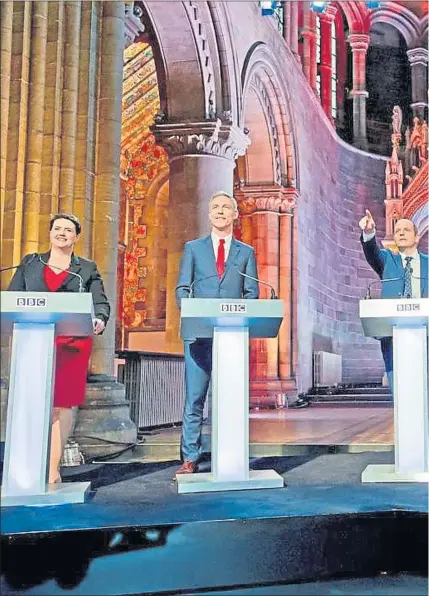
x=336, y=183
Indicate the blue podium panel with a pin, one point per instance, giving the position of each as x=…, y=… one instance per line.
x=34, y=319
x=199, y=316
x=231, y=323
x=70, y=312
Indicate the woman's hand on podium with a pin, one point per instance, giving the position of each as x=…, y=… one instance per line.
x=98, y=326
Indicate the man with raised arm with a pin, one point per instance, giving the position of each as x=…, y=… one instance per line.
x=404, y=273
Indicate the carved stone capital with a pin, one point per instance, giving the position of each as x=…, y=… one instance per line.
x=359, y=42
x=196, y=138
x=328, y=14
x=277, y=199
x=418, y=56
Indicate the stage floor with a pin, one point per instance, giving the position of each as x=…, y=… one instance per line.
x=137, y=535
x=342, y=427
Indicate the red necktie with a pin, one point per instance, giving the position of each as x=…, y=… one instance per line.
x=220, y=261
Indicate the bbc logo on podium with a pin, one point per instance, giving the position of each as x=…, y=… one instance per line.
x=233, y=307
x=32, y=302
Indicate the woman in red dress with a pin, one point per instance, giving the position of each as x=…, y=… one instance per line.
x=60, y=270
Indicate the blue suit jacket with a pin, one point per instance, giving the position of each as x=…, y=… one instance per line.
x=388, y=265
x=198, y=263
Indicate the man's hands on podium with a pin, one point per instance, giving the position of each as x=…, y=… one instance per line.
x=367, y=223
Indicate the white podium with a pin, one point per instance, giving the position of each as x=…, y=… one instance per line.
x=230, y=323
x=406, y=320
x=34, y=319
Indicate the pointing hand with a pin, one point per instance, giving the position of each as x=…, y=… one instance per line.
x=367, y=223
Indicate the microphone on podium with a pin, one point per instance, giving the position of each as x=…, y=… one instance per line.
x=196, y=281
x=273, y=292
x=81, y=289
x=16, y=266
x=380, y=281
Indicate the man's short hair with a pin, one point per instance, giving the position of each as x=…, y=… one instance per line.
x=68, y=216
x=223, y=193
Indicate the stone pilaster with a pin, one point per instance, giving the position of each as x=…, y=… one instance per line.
x=105, y=414
x=36, y=107
x=309, y=36
x=359, y=43
x=16, y=137
x=266, y=214
x=86, y=123
x=69, y=111
x=202, y=158
x=294, y=28
x=51, y=155
x=418, y=58
x=6, y=9
x=325, y=66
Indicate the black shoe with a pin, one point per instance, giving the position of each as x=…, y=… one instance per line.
x=301, y=402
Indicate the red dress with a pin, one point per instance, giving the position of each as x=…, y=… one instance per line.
x=71, y=357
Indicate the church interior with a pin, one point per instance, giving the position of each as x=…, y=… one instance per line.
x=130, y=115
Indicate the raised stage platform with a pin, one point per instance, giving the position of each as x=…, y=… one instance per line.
x=323, y=533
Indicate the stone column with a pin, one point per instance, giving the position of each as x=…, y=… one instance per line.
x=16, y=137
x=36, y=107
x=105, y=414
x=266, y=207
x=325, y=66
x=70, y=95
x=202, y=158
x=359, y=43
x=418, y=58
x=287, y=339
x=294, y=28
x=287, y=21
x=6, y=9
x=308, y=33
x=53, y=87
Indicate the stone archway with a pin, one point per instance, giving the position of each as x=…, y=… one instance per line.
x=266, y=193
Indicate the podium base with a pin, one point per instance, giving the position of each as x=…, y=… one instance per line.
x=56, y=494
x=387, y=473
x=204, y=483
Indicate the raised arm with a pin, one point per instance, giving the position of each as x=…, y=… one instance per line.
x=374, y=255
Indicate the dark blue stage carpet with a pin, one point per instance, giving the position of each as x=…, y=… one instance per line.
x=324, y=533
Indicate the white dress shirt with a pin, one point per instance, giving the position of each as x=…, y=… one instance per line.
x=415, y=266
x=215, y=240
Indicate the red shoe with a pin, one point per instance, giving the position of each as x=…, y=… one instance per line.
x=188, y=467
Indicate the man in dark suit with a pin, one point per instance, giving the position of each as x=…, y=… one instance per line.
x=210, y=268
x=407, y=270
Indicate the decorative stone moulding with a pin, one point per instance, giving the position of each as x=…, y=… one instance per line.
x=210, y=138
x=259, y=198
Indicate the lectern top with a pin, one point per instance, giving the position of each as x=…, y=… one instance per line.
x=71, y=312
x=199, y=316
x=379, y=316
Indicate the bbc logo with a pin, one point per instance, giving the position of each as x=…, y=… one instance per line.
x=233, y=307
x=408, y=307
x=31, y=301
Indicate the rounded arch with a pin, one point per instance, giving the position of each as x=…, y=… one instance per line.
x=356, y=15
x=181, y=58
x=230, y=84
x=405, y=21
x=261, y=77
